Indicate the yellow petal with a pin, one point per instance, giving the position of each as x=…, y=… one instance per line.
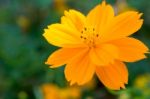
x=104, y=54
x=113, y=76
x=122, y=25
x=80, y=70
x=74, y=19
x=61, y=35
x=62, y=56
x=130, y=49
x=100, y=16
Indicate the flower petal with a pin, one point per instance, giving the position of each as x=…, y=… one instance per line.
x=62, y=56
x=130, y=49
x=113, y=76
x=100, y=16
x=61, y=35
x=104, y=54
x=80, y=70
x=122, y=25
x=74, y=19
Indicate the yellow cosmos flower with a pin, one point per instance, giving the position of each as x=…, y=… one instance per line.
x=97, y=43
x=142, y=81
x=51, y=91
x=60, y=5
x=123, y=6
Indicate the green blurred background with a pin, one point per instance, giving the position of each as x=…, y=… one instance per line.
x=23, y=51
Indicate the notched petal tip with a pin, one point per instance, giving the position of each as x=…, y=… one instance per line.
x=50, y=65
x=103, y=2
x=123, y=86
x=137, y=14
x=46, y=63
x=119, y=88
x=65, y=12
x=140, y=14
x=45, y=31
x=72, y=83
x=114, y=76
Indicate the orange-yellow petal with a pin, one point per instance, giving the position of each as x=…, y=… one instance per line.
x=73, y=19
x=100, y=16
x=113, y=76
x=130, y=49
x=104, y=54
x=62, y=56
x=122, y=25
x=80, y=70
x=61, y=35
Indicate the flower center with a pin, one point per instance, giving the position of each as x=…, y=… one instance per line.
x=89, y=36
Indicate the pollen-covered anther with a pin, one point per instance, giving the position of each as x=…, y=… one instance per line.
x=89, y=36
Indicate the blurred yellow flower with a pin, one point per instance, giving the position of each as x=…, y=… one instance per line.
x=122, y=6
x=70, y=93
x=60, y=5
x=143, y=81
x=142, y=84
x=22, y=95
x=51, y=91
x=23, y=22
x=124, y=95
x=97, y=43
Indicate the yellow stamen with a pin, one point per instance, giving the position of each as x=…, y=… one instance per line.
x=89, y=36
